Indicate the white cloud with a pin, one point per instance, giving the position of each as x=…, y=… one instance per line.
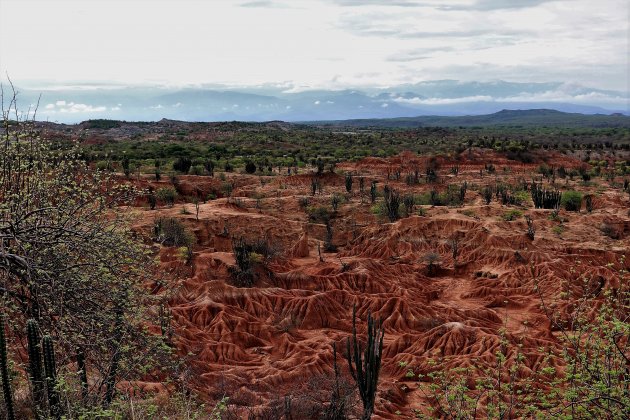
x=158, y=106
x=314, y=44
x=316, y=103
x=443, y=101
x=65, y=107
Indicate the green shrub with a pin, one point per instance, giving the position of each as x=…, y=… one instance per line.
x=318, y=214
x=172, y=232
x=167, y=195
x=511, y=215
x=571, y=200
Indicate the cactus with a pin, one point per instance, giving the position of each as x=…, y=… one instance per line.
x=349, y=182
x=486, y=193
x=51, y=377
x=392, y=203
x=373, y=192
x=462, y=192
x=110, y=380
x=365, y=367
x=82, y=374
x=4, y=372
x=35, y=362
x=409, y=202
x=544, y=199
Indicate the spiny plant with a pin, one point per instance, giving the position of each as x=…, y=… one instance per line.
x=373, y=192
x=328, y=239
x=35, y=362
x=392, y=203
x=462, y=191
x=486, y=193
x=4, y=372
x=409, y=202
x=365, y=364
x=50, y=367
x=349, y=182
x=531, y=230
x=588, y=201
x=335, y=201
x=544, y=199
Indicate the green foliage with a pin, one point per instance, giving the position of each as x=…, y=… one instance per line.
x=166, y=195
x=247, y=256
x=182, y=164
x=170, y=231
x=48, y=195
x=318, y=214
x=486, y=193
x=572, y=200
x=335, y=200
x=250, y=167
x=409, y=203
x=511, y=215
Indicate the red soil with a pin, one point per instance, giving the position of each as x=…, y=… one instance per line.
x=257, y=344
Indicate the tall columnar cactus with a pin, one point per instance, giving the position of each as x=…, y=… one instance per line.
x=392, y=203
x=544, y=199
x=373, y=192
x=365, y=365
x=51, y=377
x=4, y=372
x=82, y=373
x=35, y=362
x=349, y=182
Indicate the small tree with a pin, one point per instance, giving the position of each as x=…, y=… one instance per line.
x=250, y=167
x=335, y=201
x=182, y=164
x=432, y=259
x=486, y=193
x=126, y=165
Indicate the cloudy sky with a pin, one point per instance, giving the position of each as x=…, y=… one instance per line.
x=298, y=45
x=317, y=43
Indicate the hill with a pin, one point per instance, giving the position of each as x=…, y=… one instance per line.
x=508, y=118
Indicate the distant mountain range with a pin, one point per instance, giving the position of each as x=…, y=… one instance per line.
x=71, y=104
x=506, y=118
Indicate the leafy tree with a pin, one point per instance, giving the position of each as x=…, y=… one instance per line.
x=250, y=167
x=68, y=258
x=182, y=164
